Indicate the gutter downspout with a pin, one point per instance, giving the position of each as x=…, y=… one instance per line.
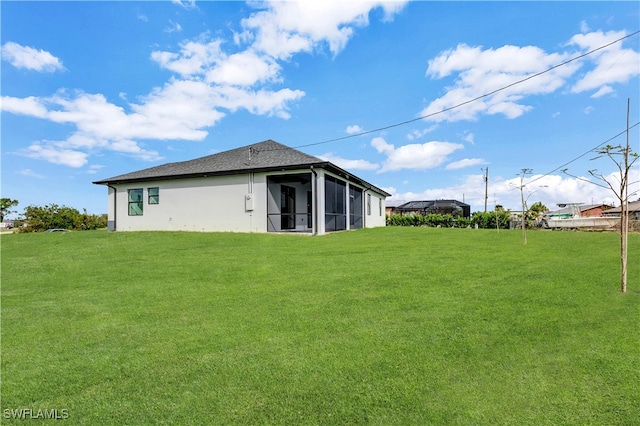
x=364, y=210
x=315, y=201
x=115, y=206
x=251, y=179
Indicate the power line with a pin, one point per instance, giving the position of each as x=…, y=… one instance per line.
x=390, y=126
x=582, y=155
x=484, y=96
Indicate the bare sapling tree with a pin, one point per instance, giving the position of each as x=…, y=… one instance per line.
x=523, y=173
x=624, y=158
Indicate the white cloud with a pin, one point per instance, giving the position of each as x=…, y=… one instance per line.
x=604, y=90
x=262, y=102
x=133, y=148
x=208, y=83
x=31, y=105
x=550, y=190
x=187, y=4
x=74, y=151
x=244, y=69
x=470, y=137
x=30, y=58
x=194, y=58
x=480, y=72
x=467, y=162
x=417, y=134
x=179, y=110
x=173, y=27
x=584, y=27
x=286, y=28
x=612, y=65
x=414, y=156
x=554, y=189
x=31, y=173
x=56, y=155
x=94, y=168
x=354, y=129
x=349, y=164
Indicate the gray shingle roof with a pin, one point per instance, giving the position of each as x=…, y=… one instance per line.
x=632, y=206
x=436, y=205
x=259, y=157
x=262, y=156
x=432, y=203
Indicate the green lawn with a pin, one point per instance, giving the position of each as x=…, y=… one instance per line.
x=384, y=326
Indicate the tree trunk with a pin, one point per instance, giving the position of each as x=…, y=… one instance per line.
x=624, y=233
x=624, y=211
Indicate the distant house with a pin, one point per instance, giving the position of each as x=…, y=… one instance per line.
x=391, y=207
x=634, y=210
x=586, y=210
x=264, y=187
x=452, y=207
x=7, y=224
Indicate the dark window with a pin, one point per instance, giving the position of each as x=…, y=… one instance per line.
x=154, y=195
x=135, y=202
x=355, y=207
x=287, y=207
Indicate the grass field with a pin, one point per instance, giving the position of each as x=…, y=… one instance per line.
x=383, y=326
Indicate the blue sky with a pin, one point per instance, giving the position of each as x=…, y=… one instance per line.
x=92, y=90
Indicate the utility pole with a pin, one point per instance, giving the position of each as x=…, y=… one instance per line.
x=486, y=187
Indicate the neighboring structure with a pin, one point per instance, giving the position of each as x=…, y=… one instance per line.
x=452, y=207
x=577, y=216
x=633, y=207
x=586, y=210
x=7, y=224
x=264, y=187
x=392, y=207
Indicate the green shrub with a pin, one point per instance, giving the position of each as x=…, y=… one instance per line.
x=432, y=220
x=52, y=216
x=491, y=220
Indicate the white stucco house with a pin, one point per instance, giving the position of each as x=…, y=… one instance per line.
x=264, y=187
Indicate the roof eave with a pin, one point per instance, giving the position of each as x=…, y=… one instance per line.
x=212, y=174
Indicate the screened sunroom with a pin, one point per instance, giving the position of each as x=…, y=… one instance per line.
x=302, y=202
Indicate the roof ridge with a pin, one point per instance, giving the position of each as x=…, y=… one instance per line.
x=248, y=157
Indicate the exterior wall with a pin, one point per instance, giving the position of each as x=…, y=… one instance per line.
x=377, y=216
x=201, y=204
x=111, y=209
x=592, y=212
x=219, y=204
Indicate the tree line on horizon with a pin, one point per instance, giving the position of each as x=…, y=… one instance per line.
x=51, y=216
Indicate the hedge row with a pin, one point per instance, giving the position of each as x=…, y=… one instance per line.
x=434, y=220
